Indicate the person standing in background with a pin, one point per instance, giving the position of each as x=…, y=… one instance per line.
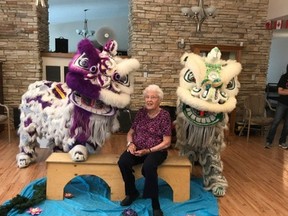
x=280, y=114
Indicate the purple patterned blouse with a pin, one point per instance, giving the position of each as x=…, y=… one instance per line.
x=149, y=132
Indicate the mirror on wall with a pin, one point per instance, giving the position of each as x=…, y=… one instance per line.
x=278, y=56
x=103, y=16
x=227, y=52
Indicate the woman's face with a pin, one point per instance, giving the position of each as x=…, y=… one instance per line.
x=152, y=100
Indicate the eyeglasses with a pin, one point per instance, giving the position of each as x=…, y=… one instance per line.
x=147, y=97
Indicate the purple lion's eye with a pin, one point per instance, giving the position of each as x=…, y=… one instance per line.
x=124, y=80
x=93, y=69
x=83, y=62
x=116, y=77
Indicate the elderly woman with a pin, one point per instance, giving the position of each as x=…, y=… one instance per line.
x=147, y=143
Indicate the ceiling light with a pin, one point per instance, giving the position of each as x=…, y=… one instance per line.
x=199, y=13
x=42, y=3
x=85, y=32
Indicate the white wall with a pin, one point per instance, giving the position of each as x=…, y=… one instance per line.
x=68, y=31
x=278, y=59
x=65, y=16
x=277, y=9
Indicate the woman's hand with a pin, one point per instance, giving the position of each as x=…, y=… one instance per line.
x=141, y=152
x=131, y=148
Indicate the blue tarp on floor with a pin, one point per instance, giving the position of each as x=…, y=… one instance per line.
x=91, y=197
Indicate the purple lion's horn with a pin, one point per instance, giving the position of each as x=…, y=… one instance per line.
x=111, y=47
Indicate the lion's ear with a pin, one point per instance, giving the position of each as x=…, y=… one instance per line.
x=184, y=58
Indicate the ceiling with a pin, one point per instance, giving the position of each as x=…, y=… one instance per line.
x=65, y=11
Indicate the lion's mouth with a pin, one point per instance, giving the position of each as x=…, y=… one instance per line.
x=201, y=118
x=91, y=105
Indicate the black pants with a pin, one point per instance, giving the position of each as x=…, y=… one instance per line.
x=149, y=171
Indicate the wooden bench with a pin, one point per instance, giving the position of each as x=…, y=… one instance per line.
x=61, y=169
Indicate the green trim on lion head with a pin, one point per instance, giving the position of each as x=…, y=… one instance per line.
x=208, y=83
x=201, y=118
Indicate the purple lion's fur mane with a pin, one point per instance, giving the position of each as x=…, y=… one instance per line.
x=87, y=47
x=80, y=120
x=75, y=79
x=78, y=70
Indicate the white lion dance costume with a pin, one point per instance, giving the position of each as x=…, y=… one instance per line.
x=77, y=116
x=206, y=94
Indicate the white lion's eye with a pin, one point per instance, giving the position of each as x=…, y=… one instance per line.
x=189, y=76
x=231, y=84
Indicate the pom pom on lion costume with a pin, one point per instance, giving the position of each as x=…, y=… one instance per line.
x=76, y=116
x=206, y=94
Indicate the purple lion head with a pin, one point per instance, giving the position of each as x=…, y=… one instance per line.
x=99, y=80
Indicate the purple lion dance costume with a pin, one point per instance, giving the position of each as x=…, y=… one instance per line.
x=77, y=116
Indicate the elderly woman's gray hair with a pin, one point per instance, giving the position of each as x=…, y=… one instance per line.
x=155, y=88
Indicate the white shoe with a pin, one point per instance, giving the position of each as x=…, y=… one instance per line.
x=283, y=145
x=268, y=145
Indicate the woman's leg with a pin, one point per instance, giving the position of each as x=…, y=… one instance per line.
x=149, y=171
x=126, y=163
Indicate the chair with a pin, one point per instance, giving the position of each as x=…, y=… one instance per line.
x=5, y=118
x=255, y=114
x=272, y=94
x=125, y=120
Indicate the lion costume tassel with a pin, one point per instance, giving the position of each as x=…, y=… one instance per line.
x=206, y=94
x=77, y=116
